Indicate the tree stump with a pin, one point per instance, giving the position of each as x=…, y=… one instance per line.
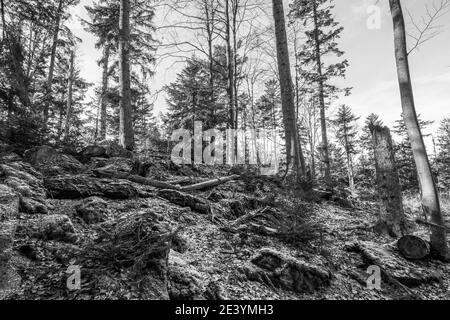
x=391, y=219
x=413, y=248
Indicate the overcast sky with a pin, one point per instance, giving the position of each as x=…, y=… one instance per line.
x=372, y=71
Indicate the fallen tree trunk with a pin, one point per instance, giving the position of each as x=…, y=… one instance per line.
x=210, y=183
x=431, y=224
x=412, y=247
x=136, y=179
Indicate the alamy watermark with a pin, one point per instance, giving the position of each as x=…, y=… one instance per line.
x=230, y=146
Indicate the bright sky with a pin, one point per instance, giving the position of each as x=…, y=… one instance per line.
x=372, y=71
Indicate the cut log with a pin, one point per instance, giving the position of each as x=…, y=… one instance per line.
x=136, y=179
x=414, y=248
x=210, y=183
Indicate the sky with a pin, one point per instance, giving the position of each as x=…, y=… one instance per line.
x=370, y=51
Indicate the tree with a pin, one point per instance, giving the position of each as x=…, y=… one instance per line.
x=126, y=133
x=322, y=34
x=443, y=154
x=430, y=198
x=404, y=154
x=69, y=98
x=346, y=133
x=287, y=94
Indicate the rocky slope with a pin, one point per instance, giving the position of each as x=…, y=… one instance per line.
x=249, y=238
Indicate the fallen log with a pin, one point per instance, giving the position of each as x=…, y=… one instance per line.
x=186, y=200
x=210, y=183
x=431, y=224
x=413, y=248
x=136, y=179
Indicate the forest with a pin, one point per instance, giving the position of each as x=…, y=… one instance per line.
x=224, y=150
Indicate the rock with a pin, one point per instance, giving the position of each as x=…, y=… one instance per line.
x=388, y=258
x=215, y=292
x=52, y=227
x=412, y=247
x=7, y=231
x=105, y=149
x=116, y=165
x=33, y=206
x=186, y=200
x=185, y=283
x=9, y=202
x=23, y=179
x=287, y=272
x=179, y=243
x=7, y=157
x=52, y=162
x=92, y=210
x=82, y=186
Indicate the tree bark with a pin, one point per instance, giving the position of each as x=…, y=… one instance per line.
x=51, y=69
x=126, y=132
x=323, y=119
x=430, y=198
x=69, y=98
x=391, y=219
x=230, y=64
x=103, y=104
x=287, y=94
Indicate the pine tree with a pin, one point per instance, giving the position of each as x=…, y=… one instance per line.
x=322, y=32
x=346, y=133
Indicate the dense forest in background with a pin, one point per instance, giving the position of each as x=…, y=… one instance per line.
x=280, y=73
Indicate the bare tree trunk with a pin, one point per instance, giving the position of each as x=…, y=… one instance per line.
x=126, y=132
x=230, y=63
x=103, y=98
x=391, y=219
x=3, y=19
x=287, y=94
x=51, y=69
x=323, y=119
x=69, y=99
x=430, y=198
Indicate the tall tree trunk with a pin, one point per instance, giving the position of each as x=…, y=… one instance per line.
x=287, y=94
x=126, y=132
x=430, y=198
x=391, y=218
x=230, y=63
x=323, y=119
x=103, y=98
x=51, y=69
x=69, y=99
x=3, y=19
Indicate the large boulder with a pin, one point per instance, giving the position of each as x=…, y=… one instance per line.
x=33, y=205
x=82, y=186
x=8, y=277
x=51, y=227
x=9, y=202
x=52, y=162
x=282, y=271
x=92, y=210
x=105, y=149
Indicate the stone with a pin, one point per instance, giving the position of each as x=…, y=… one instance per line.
x=51, y=227
x=9, y=202
x=92, y=210
x=105, y=149
x=283, y=271
x=33, y=206
x=52, y=162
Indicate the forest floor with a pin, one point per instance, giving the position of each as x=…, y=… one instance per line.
x=259, y=240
